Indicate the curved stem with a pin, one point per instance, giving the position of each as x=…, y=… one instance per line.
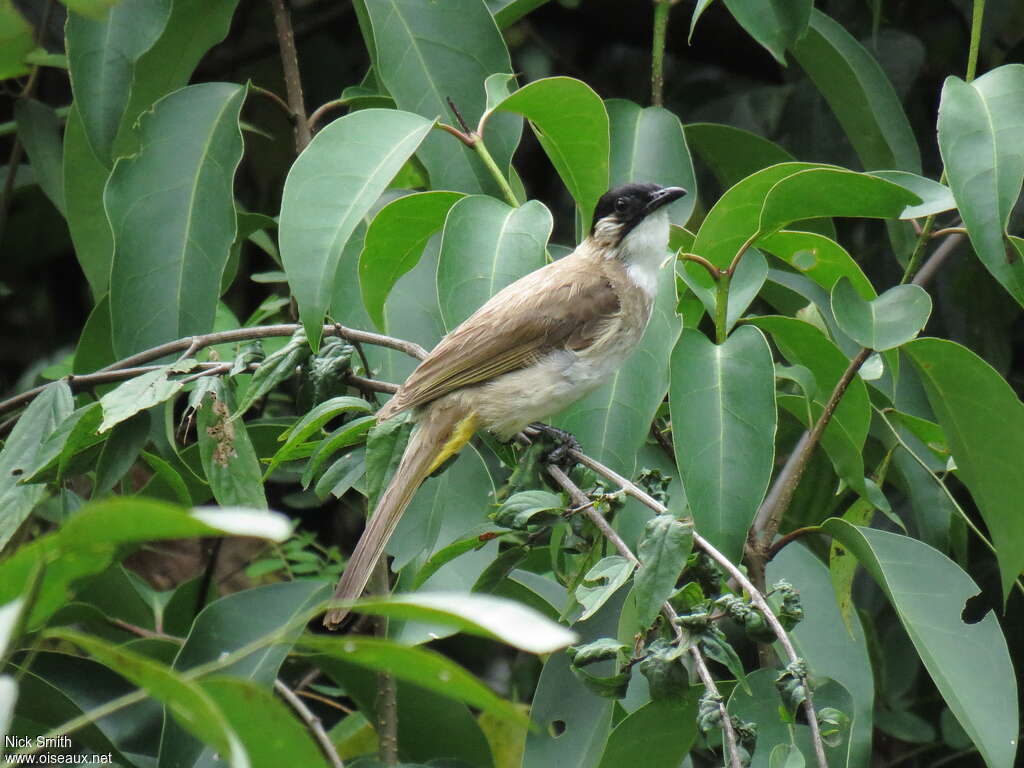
x=312, y=722
x=273, y=97
x=722, y=307
x=506, y=188
x=322, y=110
x=711, y=269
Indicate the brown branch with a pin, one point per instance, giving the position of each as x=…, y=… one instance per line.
x=312, y=722
x=292, y=80
x=585, y=505
x=756, y=597
x=469, y=139
x=387, y=688
x=787, y=485
x=322, y=110
x=935, y=262
x=712, y=270
x=779, y=544
x=277, y=100
x=948, y=231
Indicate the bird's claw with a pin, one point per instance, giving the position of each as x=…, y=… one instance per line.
x=561, y=454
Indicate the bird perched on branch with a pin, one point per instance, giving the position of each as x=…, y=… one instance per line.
x=531, y=350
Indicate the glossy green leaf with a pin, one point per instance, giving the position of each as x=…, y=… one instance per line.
x=507, y=12
x=306, y=427
x=648, y=144
x=414, y=58
x=663, y=730
x=172, y=212
x=421, y=666
x=935, y=197
x=981, y=137
x=17, y=38
x=571, y=124
x=819, y=192
x=331, y=186
x=193, y=28
x=606, y=577
x=820, y=258
x=662, y=553
x=969, y=663
x=487, y=245
x=84, y=178
x=235, y=622
x=892, y=319
x=119, y=453
x=270, y=730
x=102, y=52
x=723, y=427
x=737, y=214
x=494, y=617
x=184, y=698
x=613, y=422
x=89, y=541
x=394, y=243
x=352, y=433
x=39, y=133
x=744, y=286
x=229, y=460
x=859, y=93
x=732, y=153
x=142, y=392
x=984, y=422
x=829, y=648
x=775, y=24
x=19, y=454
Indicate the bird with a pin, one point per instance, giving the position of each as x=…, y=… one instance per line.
x=531, y=350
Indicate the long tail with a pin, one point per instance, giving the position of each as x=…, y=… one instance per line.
x=441, y=432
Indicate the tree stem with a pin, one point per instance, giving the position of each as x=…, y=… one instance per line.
x=506, y=188
x=292, y=79
x=662, y=8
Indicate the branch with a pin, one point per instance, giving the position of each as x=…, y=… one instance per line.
x=661, y=13
x=387, y=688
x=939, y=256
x=134, y=365
x=585, y=505
x=322, y=110
x=292, y=80
x=312, y=722
x=755, y=595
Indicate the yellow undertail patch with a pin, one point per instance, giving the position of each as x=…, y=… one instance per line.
x=461, y=435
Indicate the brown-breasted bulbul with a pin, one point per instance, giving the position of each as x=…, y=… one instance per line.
x=534, y=348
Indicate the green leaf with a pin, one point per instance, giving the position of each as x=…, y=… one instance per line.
x=935, y=197
x=229, y=460
x=648, y=144
x=276, y=367
x=17, y=38
x=193, y=28
x=507, y=12
x=723, y=427
x=859, y=93
x=485, y=615
x=394, y=242
x=90, y=540
x=102, y=52
x=818, y=192
x=732, y=153
x=268, y=728
x=518, y=509
x=420, y=666
x=609, y=573
x=39, y=133
x=744, y=286
x=119, y=453
x=571, y=124
x=172, y=212
x=330, y=187
x=385, y=446
x=313, y=421
x=602, y=649
x=663, y=747
x=235, y=622
x=414, y=58
x=487, y=245
x=85, y=176
x=981, y=135
x=185, y=699
x=662, y=552
x=892, y=319
x=820, y=258
x=984, y=422
x=348, y=434
x=969, y=663
x=42, y=417
x=142, y=392
x=775, y=24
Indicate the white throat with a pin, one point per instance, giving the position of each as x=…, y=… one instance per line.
x=643, y=251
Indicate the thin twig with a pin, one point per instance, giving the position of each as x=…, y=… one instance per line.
x=469, y=139
x=277, y=100
x=387, y=688
x=712, y=270
x=661, y=14
x=322, y=110
x=939, y=256
x=946, y=231
x=783, y=541
x=312, y=722
x=327, y=702
x=292, y=80
x=756, y=597
x=585, y=505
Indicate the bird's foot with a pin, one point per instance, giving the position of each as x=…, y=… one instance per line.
x=566, y=443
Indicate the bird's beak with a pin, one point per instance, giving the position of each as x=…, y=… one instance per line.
x=664, y=196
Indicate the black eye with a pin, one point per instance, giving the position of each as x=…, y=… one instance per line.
x=621, y=204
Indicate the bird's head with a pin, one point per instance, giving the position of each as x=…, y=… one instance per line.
x=632, y=220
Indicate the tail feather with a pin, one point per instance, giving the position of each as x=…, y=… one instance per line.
x=429, y=442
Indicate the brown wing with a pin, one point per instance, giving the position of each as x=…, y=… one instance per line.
x=562, y=305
